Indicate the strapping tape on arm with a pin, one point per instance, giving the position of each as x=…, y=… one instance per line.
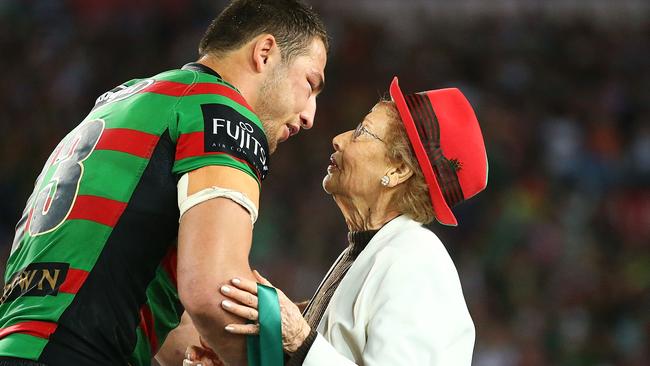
x=185, y=202
x=265, y=349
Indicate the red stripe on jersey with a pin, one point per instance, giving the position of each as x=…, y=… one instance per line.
x=98, y=209
x=126, y=140
x=175, y=89
x=73, y=281
x=147, y=325
x=169, y=264
x=164, y=87
x=192, y=144
x=34, y=328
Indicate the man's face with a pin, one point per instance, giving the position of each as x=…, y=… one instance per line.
x=287, y=98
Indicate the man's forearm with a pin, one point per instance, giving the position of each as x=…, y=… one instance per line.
x=210, y=320
x=214, y=241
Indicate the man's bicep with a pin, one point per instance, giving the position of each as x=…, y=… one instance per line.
x=215, y=181
x=215, y=234
x=213, y=246
x=214, y=241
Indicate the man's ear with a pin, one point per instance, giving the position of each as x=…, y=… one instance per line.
x=265, y=52
x=398, y=174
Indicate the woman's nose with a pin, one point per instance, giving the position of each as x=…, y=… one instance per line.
x=339, y=140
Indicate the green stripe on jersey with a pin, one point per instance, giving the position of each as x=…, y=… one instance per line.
x=203, y=77
x=141, y=355
x=112, y=174
x=163, y=301
x=192, y=163
x=146, y=112
x=26, y=308
x=28, y=347
x=178, y=76
x=62, y=245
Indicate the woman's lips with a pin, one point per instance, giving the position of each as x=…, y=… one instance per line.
x=333, y=166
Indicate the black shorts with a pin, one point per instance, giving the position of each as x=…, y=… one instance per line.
x=10, y=361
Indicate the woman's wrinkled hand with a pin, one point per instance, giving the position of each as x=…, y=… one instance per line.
x=244, y=293
x=201, y=356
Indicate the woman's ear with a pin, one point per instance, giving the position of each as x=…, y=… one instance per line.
x=264, y=53
x=398, y=174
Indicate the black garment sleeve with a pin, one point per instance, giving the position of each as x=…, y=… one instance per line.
x=299, y=356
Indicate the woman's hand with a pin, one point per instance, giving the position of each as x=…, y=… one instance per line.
x=201, y=356
x=294, y=327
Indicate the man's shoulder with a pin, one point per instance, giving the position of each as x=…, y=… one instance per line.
x=199, y=88
x=191, y=76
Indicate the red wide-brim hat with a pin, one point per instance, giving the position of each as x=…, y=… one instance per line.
x=448, y=144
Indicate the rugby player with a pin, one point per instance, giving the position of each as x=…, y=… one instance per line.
x=146, y=207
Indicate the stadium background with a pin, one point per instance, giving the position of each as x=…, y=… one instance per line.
x=553, y=256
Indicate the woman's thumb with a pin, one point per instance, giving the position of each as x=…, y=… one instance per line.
x=261, y=279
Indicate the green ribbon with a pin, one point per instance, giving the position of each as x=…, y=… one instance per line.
x=265, y=349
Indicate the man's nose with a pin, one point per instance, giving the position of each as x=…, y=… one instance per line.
x=307, y=116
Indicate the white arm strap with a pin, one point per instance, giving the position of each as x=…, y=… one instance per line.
x=185, y=202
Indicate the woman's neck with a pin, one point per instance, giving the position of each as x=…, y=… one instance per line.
x=361, y=215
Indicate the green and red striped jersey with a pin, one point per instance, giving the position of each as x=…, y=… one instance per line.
x=160, y=314
x=91, y=276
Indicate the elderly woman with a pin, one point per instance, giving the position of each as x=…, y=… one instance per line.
x=393, y=297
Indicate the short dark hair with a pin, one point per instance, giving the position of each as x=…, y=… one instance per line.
x=293, y=24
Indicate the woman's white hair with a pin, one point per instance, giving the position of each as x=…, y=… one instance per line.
x=411, y=197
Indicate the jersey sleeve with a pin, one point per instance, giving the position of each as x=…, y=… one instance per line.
x=215, y=126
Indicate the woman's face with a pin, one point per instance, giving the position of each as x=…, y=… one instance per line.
x=359, y=160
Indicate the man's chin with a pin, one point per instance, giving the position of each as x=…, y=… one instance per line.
x=273, y=145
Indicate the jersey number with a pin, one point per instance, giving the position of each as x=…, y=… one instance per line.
x=57, y=186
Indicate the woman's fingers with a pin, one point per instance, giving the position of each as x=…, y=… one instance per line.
x=244, y=329
x=240, y=310
x=243, y=297
x=199, y=356
x=244, y=284
x=187, y=362
x=261, y=279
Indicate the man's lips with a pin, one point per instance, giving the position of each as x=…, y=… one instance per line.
x=288, y=131
x=293, y=130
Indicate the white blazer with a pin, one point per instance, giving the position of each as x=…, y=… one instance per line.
x=400, y=303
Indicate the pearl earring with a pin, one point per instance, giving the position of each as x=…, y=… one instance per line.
x=385, y=180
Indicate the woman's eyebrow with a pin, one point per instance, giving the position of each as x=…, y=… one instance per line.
x=368, y=120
